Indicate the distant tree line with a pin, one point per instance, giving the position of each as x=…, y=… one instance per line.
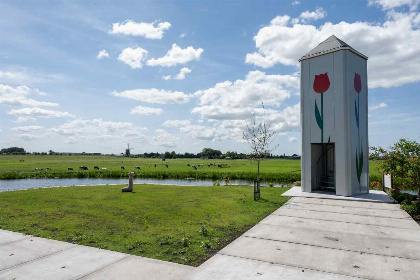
x=13, y=151
x=205, y=153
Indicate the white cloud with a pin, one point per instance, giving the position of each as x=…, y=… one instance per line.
x=392, y=4
x=376, y=107
x=315, y=15
x=18, y=96
x=390, y=45
x=133, y=57
x=103, y=54
x=176, y=55
x=295, y=3
x=182, y=35
x=98, y=129
x=176, y=123
x=27, y=128
x=38, y=113
x=165, y=139
x=28, y=137
x=292, y=139
x=21, y=75
x=236, y=100
x=153, y=95
x=179, y=76
x=146, y=111
x=227, y=105
x=153, y=30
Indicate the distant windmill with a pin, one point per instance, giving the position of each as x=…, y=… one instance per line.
x=127, y=151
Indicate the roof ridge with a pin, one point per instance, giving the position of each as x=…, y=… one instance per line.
x=329, y=45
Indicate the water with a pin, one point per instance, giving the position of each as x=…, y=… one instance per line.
x=24, y=184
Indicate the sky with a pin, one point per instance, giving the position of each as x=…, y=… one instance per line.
x=92, y=76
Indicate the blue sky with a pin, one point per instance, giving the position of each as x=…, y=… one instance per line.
x=184, y=75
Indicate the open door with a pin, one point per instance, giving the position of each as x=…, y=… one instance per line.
x=323, y=167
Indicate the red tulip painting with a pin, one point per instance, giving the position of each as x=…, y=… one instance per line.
x=321, y=85
x=359, y=155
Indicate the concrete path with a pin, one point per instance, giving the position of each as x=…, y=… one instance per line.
x=322, y=238
x=27, y=257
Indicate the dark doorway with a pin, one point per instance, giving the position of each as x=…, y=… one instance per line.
x=323, y=167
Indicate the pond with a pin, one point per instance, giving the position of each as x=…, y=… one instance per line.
x=24, y=184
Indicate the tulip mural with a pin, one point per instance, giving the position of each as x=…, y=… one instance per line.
x=321, y=85
x=359, y=151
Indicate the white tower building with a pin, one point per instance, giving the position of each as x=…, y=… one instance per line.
x=334, y=119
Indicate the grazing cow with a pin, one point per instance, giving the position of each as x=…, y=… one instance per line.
x=104, y=169
x=83, y=168
x=138, y=167
x=70, y=168
x=122, y=168
x=47, y=168
x=219, y=165
x=155, y=165
x=188, y=164
x=194, y=167
x=167, y=166
x=208, y=165
x=96, y=167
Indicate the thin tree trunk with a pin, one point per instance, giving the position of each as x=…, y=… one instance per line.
x=258, y=173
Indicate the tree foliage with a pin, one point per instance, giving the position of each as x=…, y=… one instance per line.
x=402, y=162
x=13, y=151
x=260, y=136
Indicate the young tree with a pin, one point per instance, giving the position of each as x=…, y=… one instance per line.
x=260, y=136
x=402, y=162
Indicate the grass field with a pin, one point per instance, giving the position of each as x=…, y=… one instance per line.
x=19, y=167
x=179, y=224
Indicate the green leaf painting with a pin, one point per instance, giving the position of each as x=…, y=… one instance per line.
x=318, y=117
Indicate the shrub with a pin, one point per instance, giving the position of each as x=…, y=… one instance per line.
x=412, y=207
x=375, y=185
x=204, y=231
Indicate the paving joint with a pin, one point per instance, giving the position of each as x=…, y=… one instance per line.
x=38, y=258
x=13, y=241
x=322, y=211
x=104, y=266
x=295, y=266
x=327, y=247
x=300, y=217
x=344, y=206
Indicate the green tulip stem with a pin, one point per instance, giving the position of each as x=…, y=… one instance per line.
x=322, y=117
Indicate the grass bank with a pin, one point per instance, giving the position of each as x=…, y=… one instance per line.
x=174, y=223
x=276, y=170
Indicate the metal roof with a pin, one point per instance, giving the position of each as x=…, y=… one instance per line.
x=332, y=44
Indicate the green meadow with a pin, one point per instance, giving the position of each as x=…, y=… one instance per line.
x=174, y=223
x=279, y=170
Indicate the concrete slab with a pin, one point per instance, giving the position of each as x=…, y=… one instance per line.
x=348, y=203
x=372, y=196
x=28, y=257
x=349, y=218
x=324, y=259
x=134, y=267
x=9, y=236
x=344, y=227
x=222, y=267
x=348, y=210
x=28, y=249
x=336, y=240
x=72, y=263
